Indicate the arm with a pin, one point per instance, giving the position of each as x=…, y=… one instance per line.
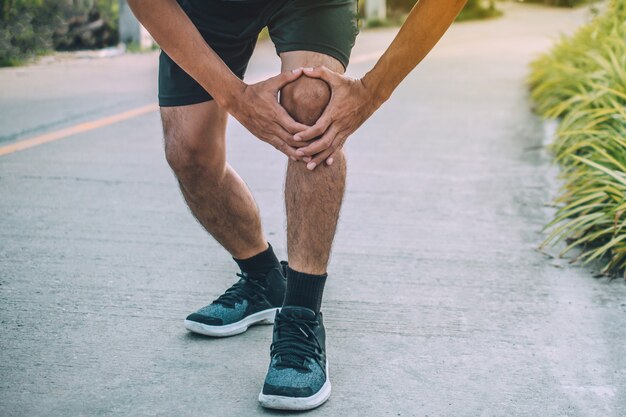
x=255, y=106
x=354, y=101
x=423, y=28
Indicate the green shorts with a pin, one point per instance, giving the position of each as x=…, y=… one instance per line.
x=231, y=28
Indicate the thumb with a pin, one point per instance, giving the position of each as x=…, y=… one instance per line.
x=323, y=73
x=284, y=78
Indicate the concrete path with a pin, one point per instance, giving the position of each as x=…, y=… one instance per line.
x=438, y=302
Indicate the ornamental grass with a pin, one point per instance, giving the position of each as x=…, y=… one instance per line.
x=582, y=82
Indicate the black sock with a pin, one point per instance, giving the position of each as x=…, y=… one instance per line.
x=259, y=264
x=304, y=290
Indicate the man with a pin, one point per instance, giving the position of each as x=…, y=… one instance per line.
x=206, y=47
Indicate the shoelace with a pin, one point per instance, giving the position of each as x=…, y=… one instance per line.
x=296, y=342
x=245, y=288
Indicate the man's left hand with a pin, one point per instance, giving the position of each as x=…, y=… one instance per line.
x=351, y=104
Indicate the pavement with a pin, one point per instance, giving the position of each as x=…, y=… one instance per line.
x=438, y=302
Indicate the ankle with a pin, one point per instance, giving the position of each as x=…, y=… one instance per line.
x=304, y=290
x=258, y=262
x=308, y=268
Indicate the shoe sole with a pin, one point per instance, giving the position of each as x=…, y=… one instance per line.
x=279, y=402
x=261, y=317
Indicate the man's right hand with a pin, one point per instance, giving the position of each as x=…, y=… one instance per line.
x=257, y=108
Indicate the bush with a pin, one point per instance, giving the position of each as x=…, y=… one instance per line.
x=26, y=28
x=559, y=3
x=478, y=9
x=474, y=9
x=32, y=27
x=582, y=81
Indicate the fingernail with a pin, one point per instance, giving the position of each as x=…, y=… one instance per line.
x=299, y=153
x=330, y=161
x=307, y=159
x=310, y=166
x=307, y=69
x=296, y=70
x=296, y=137
x=293, y=158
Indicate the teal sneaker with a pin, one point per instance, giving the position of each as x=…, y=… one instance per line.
x=251, y=300
x=297, y=378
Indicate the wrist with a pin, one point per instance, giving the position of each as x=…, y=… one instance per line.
x=229, y=93
x=376, y=87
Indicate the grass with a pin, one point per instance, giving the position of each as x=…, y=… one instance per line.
x=384, y=23
x=135, y=48
x=582, y=82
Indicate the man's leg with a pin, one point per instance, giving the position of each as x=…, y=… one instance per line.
x=195, y=148
x=298, y=378
x=312, y=198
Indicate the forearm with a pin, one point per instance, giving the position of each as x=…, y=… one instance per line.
x=425, y=25
x=179, y=38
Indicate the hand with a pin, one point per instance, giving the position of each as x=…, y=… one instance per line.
x=256, y=107
x=351, y=103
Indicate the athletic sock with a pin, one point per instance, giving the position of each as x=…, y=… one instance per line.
x=259, y=264
x=304, y=290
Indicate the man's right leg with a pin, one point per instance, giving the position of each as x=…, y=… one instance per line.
x=195, y=148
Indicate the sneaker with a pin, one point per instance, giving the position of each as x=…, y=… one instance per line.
x=251, y=300
x=298, y=374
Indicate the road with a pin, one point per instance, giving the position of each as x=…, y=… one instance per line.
x=438, y=302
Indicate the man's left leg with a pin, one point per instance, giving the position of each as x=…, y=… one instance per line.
x=298, y=374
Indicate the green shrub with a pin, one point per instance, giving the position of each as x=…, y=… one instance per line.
x=474, y=9
x=582, y=81
x=32, y=27
x=26, y=28
x=559, y=3
x=478, y=9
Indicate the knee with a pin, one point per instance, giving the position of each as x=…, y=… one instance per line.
x=192, y=156
x=305, y=99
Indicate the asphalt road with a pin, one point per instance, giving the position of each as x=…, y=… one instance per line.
x=438, y=302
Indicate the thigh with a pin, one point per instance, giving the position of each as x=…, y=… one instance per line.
x=296, y=59
x=197, y=128
x=328, y=27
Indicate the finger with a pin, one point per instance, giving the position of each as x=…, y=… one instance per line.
x=331, y=77
x=328, y=153
x=287, y=138
x=316, y=130
x=286, y=121
x=319, y=158
x=280, y=145
x=296, y=145
x=331, y=158
x=279, y=81
x=320, y=144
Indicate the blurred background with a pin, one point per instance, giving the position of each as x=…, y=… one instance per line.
x=485, y=210
x=36, y=27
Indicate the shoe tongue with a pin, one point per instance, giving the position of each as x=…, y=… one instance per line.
x=301, y=313
x=298, y=312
